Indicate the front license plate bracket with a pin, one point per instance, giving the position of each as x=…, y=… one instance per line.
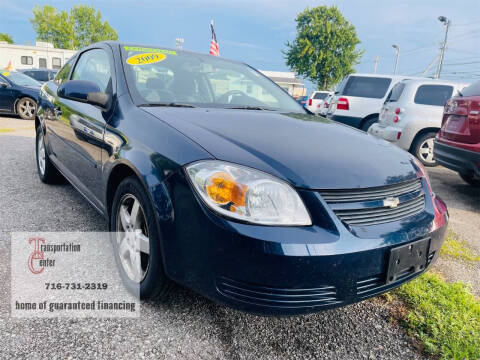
x=407, y=259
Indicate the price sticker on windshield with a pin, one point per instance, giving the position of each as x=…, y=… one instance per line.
x=146, y=58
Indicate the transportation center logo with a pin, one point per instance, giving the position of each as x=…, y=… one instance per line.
x=36, y=256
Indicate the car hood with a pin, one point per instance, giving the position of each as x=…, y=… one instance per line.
x=309, y=151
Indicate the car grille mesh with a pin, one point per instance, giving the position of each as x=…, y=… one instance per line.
x=360, y=215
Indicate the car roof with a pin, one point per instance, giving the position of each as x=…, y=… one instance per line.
x=23, y=70
x=395, y=77
x=428, y=81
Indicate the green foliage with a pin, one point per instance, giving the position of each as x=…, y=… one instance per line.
x=6, y=37
x=444, y=317
x=458, y=248
x=75, y=30
x=324, y=50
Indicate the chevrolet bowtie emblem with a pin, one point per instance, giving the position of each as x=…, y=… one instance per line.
x=391, y=202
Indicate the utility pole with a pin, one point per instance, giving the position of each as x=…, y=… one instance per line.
x=396, y=58
x=179, y=43
x=446, y=23
x=376, y=64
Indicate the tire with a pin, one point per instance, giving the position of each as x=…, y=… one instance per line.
x=471, y=180
x=366, y=125
x=26, y=108
x=47, y=172
x=142, y=273
x=422, y=149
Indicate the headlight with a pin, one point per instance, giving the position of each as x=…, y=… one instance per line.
x=246, y=194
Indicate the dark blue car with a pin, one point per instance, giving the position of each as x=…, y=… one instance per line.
x=18, y=94
x=211, y=176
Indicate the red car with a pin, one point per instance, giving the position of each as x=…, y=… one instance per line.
x=457, y=145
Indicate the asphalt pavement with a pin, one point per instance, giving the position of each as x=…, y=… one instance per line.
x=185, y=325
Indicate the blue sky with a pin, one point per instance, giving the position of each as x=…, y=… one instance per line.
x=255, y=31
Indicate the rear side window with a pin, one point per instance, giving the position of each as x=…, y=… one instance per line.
x=320, y=96
x=367, y=87
x=472, y=90
x=433, y=94
x=396, y=92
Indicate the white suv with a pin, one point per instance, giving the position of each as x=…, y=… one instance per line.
x=359, y=98
x=315, y=102
x=412, y=115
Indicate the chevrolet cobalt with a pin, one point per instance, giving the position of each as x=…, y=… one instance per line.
x=212, y=176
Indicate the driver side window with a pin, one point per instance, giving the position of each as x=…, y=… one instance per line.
x=94, y=66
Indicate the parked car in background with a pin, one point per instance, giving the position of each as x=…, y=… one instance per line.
x=359, y=98
x=237, y=197
x=302, y=100
x=323, y=110
x=412, y=115
x=316, y=100
x=18, y=94
x=41, y=75
x=457, y=145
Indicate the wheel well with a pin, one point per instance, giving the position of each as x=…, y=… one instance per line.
x=20, y=98
x=117, y=175
x=422, y=132
x=366, y=118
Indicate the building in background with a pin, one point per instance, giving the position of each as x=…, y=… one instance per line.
x=288, y=81
x=43, y=55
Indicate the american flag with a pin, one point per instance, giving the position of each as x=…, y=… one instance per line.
x=214, y=50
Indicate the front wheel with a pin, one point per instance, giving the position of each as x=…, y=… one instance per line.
x=471, y=180
x=136, y=241
x=26, y=108
x=423, y=149
x=47, y=172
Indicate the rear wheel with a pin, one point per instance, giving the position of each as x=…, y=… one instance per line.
x=423, y=148
x=471, y=179
x=366, y=125
x=26, y=108
x=136, y=241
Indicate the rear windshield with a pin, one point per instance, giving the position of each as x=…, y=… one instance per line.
x=320, y=96
x=433, y=94
x=396, y=92
x=367, y=87
x=472, y=90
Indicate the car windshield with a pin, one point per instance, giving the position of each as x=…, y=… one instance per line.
x=158, y=76
x=320, y=96
x=20, y=79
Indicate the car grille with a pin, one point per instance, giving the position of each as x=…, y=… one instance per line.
x=277, y=297
x=350, y=207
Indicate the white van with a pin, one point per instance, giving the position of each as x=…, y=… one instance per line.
x=359, y=98
x=315, y=101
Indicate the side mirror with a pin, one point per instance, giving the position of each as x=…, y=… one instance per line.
x=84, y=91
x=3, y=85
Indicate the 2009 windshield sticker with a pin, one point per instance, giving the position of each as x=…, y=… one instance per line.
x=146, y=58
x=150, y=50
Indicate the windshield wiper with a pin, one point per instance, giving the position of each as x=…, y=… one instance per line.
x=246, y=107
x=172, y=104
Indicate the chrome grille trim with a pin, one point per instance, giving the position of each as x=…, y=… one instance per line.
x=352, y=212
x=336, y=196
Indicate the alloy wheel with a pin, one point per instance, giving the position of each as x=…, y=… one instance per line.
x=27, y=108
x=425, y=151
x=133, y=243
x=41, y=153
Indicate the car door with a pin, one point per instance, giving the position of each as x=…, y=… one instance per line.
x=80, y=126
x=7, y=95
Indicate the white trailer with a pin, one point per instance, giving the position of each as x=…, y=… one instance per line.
x=42, y=55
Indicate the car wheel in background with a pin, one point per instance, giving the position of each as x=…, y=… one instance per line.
x=47, y=172
x=369, y=123
x=470, y=179
x=26, y=108
x=136, y=241
x=422, y=148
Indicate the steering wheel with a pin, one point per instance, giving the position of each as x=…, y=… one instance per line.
x=229, y=95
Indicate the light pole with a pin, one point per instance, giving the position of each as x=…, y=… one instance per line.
x=397, y=48
x=446, y=23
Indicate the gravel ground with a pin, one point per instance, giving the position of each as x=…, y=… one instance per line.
x=186, y=325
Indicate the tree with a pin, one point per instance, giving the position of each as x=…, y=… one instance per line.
x=6, y=37
x=324, y=50
x=82, y=27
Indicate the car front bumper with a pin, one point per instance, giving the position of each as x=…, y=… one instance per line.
x=274, y=270
x=456, y=158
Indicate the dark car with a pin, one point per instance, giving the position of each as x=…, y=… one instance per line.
x=41, y=75
x=18, y=94
x=303, y=100
x=457, y=145
x=246, y=199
